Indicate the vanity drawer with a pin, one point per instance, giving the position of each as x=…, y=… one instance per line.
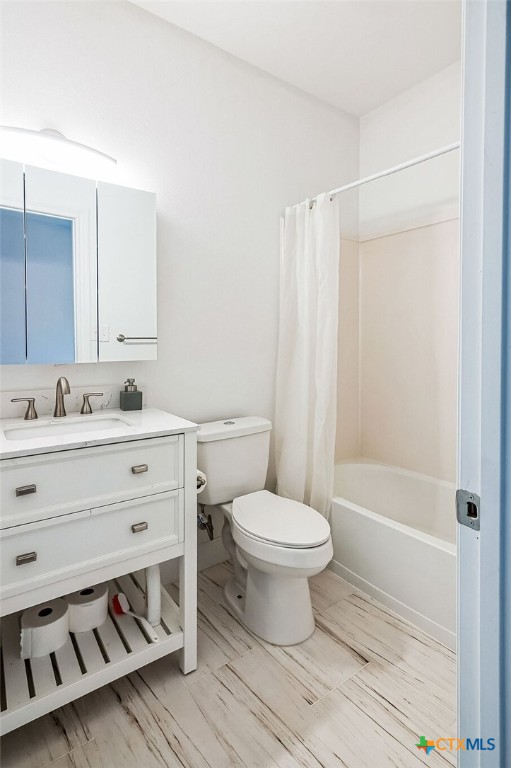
x=52, y=550
x=39, y=487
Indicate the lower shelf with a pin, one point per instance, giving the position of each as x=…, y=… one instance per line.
x=88, y=660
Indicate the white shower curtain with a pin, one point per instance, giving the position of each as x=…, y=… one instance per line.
x=306, y=397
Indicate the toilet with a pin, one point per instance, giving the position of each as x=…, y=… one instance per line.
x=275, y=544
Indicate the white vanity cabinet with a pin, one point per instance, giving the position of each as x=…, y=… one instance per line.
x=79, y=513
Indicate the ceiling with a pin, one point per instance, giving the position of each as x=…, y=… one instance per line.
x=353, y=54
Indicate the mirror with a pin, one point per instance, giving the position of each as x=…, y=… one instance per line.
x=77, y=269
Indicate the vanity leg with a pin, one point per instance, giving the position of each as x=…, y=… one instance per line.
x=153, y=592
x=188, y=562
x=188, y=612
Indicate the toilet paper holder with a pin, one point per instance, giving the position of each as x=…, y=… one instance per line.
x=202, y=481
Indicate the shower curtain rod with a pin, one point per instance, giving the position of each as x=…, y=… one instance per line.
x=394, y=169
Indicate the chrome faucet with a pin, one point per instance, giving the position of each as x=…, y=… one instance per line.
x=62, y=389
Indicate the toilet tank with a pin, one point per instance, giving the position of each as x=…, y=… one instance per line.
x=233, y=454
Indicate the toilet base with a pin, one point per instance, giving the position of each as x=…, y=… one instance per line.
x=235, y=597
x=274, y=607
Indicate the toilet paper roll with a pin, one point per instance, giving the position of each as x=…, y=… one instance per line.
x=202, y=481
x=44, y=628
x=88, y=608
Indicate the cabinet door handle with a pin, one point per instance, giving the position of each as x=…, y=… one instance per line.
x=138, y=468
x=24, y=490
x=121, y=337
x=28, y=557
x=139, y=527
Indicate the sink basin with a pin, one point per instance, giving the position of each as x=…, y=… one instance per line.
x=67, y=425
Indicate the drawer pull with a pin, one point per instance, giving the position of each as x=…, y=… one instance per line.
x=138, y=468
x=24, y=490
x=28, y=557
x=138, y=527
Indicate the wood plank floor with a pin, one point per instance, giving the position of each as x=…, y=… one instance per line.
x=357, y=694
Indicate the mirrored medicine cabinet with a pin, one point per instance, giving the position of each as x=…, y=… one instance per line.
x=77, y=269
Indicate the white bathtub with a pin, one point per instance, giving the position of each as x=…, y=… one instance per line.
x=394, y=537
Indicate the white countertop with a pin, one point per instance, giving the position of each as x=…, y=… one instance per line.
x=136, y=425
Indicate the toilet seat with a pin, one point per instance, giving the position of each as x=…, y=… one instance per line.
x=293, y=558
x=274, y=521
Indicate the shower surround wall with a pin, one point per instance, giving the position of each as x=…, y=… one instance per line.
x=408, y=349
x=392, y=528
x=399, y=289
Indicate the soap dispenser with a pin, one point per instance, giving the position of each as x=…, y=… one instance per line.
x=131, y=397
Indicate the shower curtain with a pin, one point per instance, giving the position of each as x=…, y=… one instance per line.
x=306, y=396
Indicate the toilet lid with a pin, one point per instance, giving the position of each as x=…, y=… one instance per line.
x=284, y=522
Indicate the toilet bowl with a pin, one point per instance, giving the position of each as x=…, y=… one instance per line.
x=275, y=544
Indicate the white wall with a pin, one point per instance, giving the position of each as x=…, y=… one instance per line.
x=224, y=146
x=424, y=118
x=420, y=120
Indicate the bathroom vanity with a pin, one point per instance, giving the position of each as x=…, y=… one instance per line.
x=84, y=500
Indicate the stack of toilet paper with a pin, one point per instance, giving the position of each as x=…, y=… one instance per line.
x=45, y=628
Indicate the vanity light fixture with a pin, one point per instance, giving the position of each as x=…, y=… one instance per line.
x=51, y=149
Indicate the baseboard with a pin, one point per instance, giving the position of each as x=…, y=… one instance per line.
x=436, y=631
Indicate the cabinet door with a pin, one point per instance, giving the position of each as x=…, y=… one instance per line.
x=127, y=273
x=12, y=265
x=61, y=296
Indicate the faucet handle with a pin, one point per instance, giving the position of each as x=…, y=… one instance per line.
x=86, y=404
x=31, y=412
